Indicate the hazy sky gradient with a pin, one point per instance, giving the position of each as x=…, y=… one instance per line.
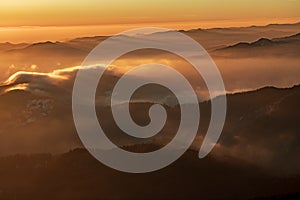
x=40, y=20
x=97, y=12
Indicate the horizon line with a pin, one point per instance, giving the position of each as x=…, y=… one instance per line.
x=32, y=34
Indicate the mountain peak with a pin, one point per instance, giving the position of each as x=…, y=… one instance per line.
x=262, y=42
x=43, y=43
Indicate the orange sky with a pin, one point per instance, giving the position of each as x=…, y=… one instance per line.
x=61, y=19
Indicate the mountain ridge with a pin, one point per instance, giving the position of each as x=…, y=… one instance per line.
x=284, y=46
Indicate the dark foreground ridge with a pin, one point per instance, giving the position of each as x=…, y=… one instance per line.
x=77, y=175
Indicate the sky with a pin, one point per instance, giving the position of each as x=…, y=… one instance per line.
x=115, y=15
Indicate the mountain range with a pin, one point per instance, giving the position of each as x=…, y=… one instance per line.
x=261, y=125
x=256, y=157
x=277, y=47
x=51, y=55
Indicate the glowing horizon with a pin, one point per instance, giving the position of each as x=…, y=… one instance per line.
x=30, y=34
x=33, y=21
x=94, y=12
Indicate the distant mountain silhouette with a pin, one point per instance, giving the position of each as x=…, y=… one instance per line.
x=9, y=46
x=267, y=42
x=223, y=36
x=51, y=55
x=285, y=46
x=50, y=48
